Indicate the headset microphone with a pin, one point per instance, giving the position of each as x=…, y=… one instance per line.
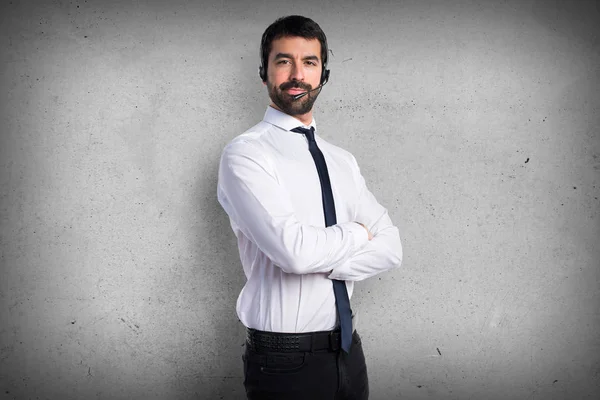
x=324, y=80
x=299, y=96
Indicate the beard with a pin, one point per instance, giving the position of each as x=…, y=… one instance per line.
x=286, y=102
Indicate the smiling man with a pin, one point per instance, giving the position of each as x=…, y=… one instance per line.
x=307, y=228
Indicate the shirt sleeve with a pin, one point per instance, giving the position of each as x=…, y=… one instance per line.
x=384, y=251
x=250, y=194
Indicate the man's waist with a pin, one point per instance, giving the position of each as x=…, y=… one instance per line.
x=260, y=341
x=265, y=341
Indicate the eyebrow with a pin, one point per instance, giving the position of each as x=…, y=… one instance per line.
x=287, y=55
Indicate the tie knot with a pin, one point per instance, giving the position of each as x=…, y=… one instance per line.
x=310, y=133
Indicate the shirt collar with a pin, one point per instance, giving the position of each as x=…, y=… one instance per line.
x=283, y=120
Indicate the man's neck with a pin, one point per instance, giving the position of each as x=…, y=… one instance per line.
x=306, y=119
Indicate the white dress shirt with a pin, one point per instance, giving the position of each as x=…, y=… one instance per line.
x=269, y=186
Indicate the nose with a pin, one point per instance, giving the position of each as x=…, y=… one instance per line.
x=297, y=72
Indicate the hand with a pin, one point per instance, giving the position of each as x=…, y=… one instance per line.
x=370, y=235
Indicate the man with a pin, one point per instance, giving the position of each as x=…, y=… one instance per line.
x=307, y=227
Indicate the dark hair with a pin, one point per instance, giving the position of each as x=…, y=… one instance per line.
x=293, y=25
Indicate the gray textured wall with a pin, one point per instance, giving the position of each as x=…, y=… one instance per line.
x=474, y=122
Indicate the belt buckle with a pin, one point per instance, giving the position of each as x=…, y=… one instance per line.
x=334, y=341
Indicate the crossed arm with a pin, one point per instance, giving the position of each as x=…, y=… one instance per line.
x=261, y=208
x=380, y=254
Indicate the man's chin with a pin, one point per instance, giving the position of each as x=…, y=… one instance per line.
x=293, y=107
x=286, y=103
x=298, y=111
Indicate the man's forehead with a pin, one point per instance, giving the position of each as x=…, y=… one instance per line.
x=296, y=44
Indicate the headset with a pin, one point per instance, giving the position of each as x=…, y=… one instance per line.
x=262, y=71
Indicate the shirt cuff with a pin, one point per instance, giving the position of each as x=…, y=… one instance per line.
x=360, y=237
x=359, y=234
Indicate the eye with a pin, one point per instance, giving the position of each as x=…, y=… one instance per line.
x=282, y=61
x=314, y=64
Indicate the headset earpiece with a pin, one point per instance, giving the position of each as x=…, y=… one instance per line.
x=324, y=76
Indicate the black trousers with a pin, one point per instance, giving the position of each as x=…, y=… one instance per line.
x=318, y=375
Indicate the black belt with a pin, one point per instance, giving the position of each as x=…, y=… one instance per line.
x=261, y=341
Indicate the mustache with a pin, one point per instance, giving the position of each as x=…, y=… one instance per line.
x=296, y=85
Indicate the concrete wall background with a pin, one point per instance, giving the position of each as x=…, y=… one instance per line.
x=475, y=123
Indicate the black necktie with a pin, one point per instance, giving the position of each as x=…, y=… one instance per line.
x=342, y=300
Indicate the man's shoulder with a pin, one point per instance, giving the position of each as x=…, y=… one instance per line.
x=249, y=139
x=253, y=133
